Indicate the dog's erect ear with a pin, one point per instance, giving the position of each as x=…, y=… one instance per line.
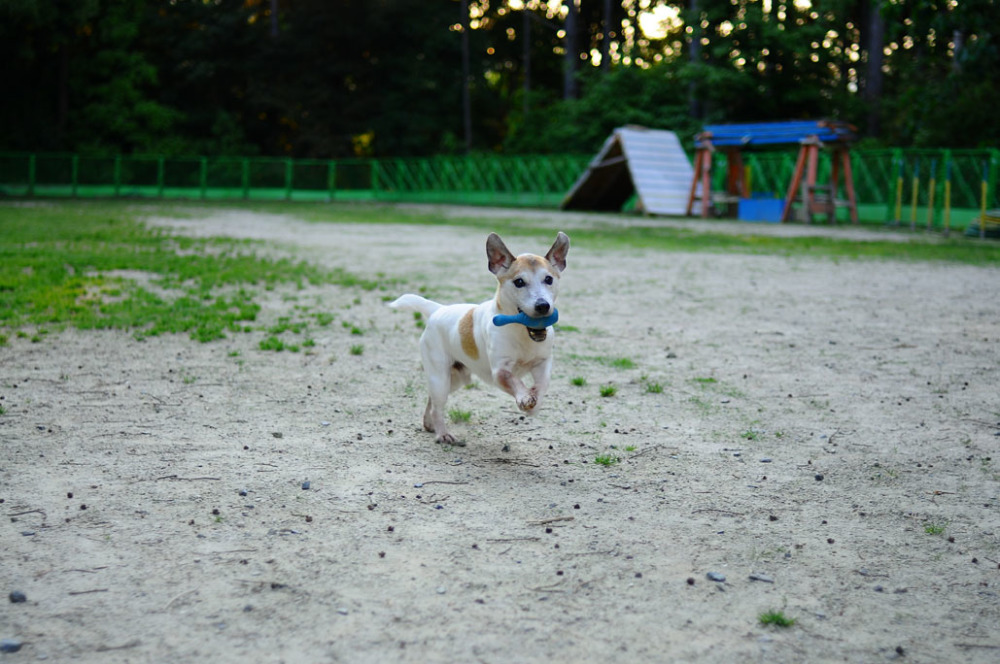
x=497, y=254
x=557, y=254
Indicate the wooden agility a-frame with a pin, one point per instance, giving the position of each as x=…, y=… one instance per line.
x=804, y=190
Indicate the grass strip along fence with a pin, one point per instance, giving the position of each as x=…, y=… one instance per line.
x=940, y=188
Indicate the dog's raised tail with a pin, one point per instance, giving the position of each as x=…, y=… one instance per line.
x=415, y=303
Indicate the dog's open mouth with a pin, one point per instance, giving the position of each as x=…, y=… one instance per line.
x=535, y=333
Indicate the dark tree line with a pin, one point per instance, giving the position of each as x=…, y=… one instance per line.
x=340, y=78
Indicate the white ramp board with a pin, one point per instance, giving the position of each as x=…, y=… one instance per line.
x=649, y=162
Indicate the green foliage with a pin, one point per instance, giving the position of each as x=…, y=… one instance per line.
x=655, y=97
x=457, y=415
x=608, y=390
x=219, y=78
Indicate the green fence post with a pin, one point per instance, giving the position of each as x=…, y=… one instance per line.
x=160, y=174
x=994, y=162
x=31, y=175
x=897, y=159
x=203, y=177
x=118, y=175
x=245, y=182
x=75, y=174
x=331, y=179
x=289, y=168
x=374, y=177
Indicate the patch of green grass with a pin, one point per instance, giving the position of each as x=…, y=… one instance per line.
x=456, y=415
x=704, y=381
x=606, y=460
x=776, y=618
x=614, y=362
x=94, y=265
x=630, y=448
x=3, y=410
x=358, y=349
x=934, y=528
x=653, y=387
x=578, y=381
x=272, y=343
x=608, y=390
x=323, y=319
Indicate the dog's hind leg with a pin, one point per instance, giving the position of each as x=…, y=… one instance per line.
x=439, y=387
x=442, y=380
x=460, y=375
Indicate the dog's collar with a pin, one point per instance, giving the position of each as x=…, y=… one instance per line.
x=537, y=327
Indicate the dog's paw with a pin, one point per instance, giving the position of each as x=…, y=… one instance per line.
x=448, y=439
x=527, y=403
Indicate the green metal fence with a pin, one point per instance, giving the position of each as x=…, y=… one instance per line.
x=538, y=181
x=885, y=180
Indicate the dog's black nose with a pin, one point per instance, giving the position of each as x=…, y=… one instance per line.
x=542, y=307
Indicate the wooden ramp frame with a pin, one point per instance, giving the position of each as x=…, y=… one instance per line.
x=650, y=163
x=812, y=136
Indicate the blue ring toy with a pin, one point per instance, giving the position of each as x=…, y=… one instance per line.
x=526, y=320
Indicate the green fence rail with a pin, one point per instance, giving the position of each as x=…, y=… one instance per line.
x=891, y=185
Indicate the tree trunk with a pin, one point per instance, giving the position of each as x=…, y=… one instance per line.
x=874, y=45
x=606, y=37
x=466, y=97
x=572, y=57
x=694, y=56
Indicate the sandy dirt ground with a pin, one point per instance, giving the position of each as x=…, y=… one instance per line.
x=821, y=434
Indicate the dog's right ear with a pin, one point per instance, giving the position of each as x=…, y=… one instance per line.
x=497, y=254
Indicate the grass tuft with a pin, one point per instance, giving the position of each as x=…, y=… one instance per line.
x=776, y=618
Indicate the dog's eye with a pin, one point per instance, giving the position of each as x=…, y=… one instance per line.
x=548, y=280
x=519, y=282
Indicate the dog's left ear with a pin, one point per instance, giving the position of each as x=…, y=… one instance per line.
x=557, y=254
x=497, y=254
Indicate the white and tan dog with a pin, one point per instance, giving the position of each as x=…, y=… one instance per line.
x=462, y=339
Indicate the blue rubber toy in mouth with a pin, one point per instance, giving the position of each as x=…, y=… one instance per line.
x=528, y=321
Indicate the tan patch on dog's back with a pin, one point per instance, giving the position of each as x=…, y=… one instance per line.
x=466, y=334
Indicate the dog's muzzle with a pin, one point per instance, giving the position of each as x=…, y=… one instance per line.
x=537, y=327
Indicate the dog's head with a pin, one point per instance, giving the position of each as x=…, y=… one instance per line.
x=528, y=283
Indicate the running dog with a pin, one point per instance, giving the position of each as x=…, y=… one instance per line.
x=501, y=340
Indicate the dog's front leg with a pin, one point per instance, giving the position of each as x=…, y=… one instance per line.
x=526, y=398
x=540, y=379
